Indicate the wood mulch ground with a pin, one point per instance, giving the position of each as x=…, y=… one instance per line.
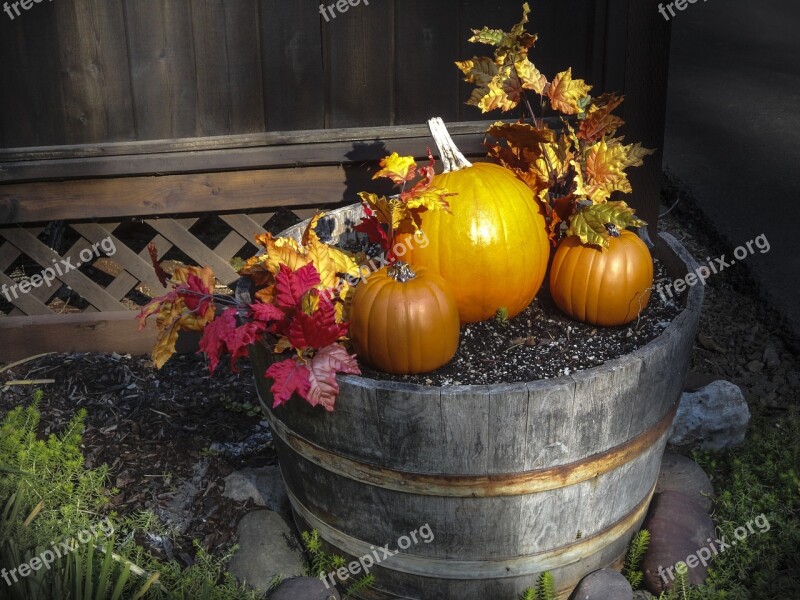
x=161, y=431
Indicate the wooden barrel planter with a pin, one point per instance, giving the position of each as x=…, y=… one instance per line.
x=513, y=480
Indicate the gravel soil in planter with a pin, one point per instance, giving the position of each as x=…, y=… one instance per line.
x=512, y=477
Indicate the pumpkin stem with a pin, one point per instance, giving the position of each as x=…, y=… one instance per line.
x=451, y=156
x=401, y=271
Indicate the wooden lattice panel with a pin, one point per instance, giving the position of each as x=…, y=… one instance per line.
x=115, y=274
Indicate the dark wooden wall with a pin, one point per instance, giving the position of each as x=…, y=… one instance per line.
x=99, y=71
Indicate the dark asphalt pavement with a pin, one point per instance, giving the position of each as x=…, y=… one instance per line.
x=733, y=130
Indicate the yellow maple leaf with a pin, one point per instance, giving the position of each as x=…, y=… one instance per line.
x=599, y=121
x=530, y=76
x=311, y=229
x=503, y=93
x=552, y=163
x=397, y=168
x=205, y=274
x=400, y=214
x=277, y=252
x=432, y=198
x=328, y=262
x=605, y=163
x=567, y=95
x=165, y=343
x=595, y=192
x=479, y=70
x=636, y=154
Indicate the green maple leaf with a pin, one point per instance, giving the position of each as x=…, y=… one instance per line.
x=591, y=221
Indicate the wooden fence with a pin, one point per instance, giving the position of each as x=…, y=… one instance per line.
x=138, y=119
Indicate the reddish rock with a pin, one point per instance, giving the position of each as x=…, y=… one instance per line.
x=680, y=531
x=605, y=584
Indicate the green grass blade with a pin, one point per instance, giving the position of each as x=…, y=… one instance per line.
x=88, y=589
x=121, y=581
x=147, y=584
x=105, y=570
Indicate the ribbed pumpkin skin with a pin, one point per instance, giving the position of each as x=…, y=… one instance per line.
x=602, y=288
x=493, y=248
x=404, y=327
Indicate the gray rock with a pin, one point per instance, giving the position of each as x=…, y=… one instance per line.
x=304, y=588
x=713, y=417
x=681, y=474
x=679, y=533
x=770, y=356
x=755, y=366
x=605, y=584
x=264, y=486
x=267, y=548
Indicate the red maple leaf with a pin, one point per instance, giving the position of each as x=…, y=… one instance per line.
x=325, y=365
x=289, y=376
x=241, y=338
x=224, y=334
x=371, y=226
x=267, y=312
x=162, y=276
x=213, y=344
x=318, y=329
x=198, y=297
x=290, y=286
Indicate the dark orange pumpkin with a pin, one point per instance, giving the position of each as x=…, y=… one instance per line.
x=404, y=320
x=492, y=249
x=602, y=287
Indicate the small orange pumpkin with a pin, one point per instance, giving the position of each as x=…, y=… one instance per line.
x=404, y=320
x=493, y=248
x=602, y=287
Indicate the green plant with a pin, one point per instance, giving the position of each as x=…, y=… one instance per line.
x=250, y=409
x=47, y=496
x=758, y=478
x=360, y=585
x=501, y=315
x=321, y=564
x=544, y=590
x=632, y=569
x=681, y=590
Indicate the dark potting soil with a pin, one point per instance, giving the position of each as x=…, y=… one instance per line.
x=542, y=343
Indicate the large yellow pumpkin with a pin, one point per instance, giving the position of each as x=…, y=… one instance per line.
x=605, y=288
x=404, y=320
x=492, y=248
